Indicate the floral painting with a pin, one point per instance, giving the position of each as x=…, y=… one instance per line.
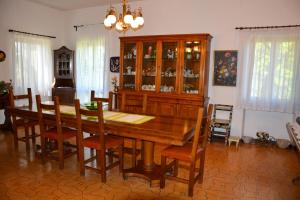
x=225, y=68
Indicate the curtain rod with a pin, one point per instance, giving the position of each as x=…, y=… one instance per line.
x=266, y=27
x=11, y=30
x=82, y=25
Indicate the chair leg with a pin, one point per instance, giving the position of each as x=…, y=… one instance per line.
x=142, y=150
x=175, y=173
x=16, y=142
x=43, y=148
x=61, y=154
x=27, y=137
x=110, y=156
x=77, y=147
x=163, y=171
x=120, y=151
x=191, y=179
x=133, y=152
x=201, y=168
x=103, y=165
x=81, y=160
x=33, y=135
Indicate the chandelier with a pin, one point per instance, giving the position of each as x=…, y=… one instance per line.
x=126, y=20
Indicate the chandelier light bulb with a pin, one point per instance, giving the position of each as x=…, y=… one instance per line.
x=140, y=20
x=107, y=24
x=119, y=26
x=134, y=24
x=139, y=16
x=111, y=16
x=111, y=19
x=128, y=18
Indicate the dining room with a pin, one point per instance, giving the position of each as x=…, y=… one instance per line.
x=125, y=99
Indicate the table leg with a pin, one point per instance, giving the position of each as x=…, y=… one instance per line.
x=148, y=155
x=146, y=168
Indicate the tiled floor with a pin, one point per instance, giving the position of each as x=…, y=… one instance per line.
x=252, y=172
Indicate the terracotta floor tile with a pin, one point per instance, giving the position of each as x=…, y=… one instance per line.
x=251, y=172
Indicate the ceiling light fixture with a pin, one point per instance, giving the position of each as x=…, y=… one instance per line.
x=126, y=20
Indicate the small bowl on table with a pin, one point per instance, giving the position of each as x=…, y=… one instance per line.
x=91, y=105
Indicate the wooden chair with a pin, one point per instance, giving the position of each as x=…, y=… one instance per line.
x=57, y=132
x=99, y=141
x=221, y=125
x=190, y=152
x=133, y=106
x=21, y=122
x=108, y=100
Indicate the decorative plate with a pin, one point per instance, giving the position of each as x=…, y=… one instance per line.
x=2, y=56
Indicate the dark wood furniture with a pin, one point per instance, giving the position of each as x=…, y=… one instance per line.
x=22, y=122
x=172, y=69
x=98, y=141
x=138, y=105
x=58, y=133
x=190, y=152
x=221, y=122
x=108, y=100
x=165, y=130
x=64, y=67
x=4, y=103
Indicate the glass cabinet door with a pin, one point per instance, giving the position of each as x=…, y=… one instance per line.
x=129, y=66
x=149, y=66
x=169, y=66
x=190, y=73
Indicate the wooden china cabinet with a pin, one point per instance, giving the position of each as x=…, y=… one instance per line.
x=172, y=69
x=64, y=86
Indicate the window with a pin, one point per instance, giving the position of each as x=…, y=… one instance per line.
x=91, y=67
x=269, y=78
x=32, y=64
x=280, y=70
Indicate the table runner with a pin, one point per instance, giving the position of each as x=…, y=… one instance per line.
x=111, y=115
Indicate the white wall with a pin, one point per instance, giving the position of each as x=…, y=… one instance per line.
x=219, y=18
x=29, y=17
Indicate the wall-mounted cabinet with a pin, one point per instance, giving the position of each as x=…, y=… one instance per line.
x=166, y=66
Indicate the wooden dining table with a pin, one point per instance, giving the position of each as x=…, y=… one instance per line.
x=163, y=130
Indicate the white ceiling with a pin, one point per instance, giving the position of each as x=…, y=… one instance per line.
x=74, y=4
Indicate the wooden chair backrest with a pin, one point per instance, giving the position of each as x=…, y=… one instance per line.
x=225, y=108
x=49, y=107
x=90, y=113
x=206, y=126
x=13, y=97
x=197, y=132
x=108, y=100
x=128, y=105
x=201, y=133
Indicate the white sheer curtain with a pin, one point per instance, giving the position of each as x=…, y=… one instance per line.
x=269, y=75
x=32, y=64
x=92, y=69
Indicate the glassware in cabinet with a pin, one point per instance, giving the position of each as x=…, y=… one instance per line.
x=169, y=66
x=149, y=66
x=129, y=66
x=191, y=73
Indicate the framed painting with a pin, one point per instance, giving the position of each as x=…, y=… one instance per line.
x=115, y=64
x=225, y=67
